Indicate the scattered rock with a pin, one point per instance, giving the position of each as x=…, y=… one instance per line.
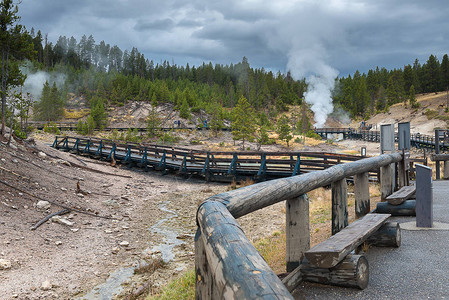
x=124, y=244
x=58, y=243
x=74, y=229
x=64, y=189
x=46, y=285
x=43, y=204
x=42, y=154
x=63, y=221
x=5, y=264
x=15, y=161
x=80, y=195
x=115, y=250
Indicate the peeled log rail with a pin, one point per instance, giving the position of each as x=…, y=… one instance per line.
x=333, y=250
x=227, y=265
x=353, y=271
x=389, y=235
x=408, y=208
x=254, y=197
x=236, y=267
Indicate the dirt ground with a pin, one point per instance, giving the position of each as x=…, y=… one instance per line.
x=134, y=219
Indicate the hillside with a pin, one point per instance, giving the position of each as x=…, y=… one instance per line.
x=429, y=116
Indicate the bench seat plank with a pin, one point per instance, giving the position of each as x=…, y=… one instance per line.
x=330, y=252
x=400, y=196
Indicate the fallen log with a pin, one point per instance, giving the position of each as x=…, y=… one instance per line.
x=48, y=217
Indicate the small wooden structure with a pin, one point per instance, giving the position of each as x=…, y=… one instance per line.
x=228, y=266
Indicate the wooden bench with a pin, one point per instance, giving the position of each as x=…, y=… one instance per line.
x=331, y=261
x=399, y=197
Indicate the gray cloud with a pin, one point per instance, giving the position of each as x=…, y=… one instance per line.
x=344, y=34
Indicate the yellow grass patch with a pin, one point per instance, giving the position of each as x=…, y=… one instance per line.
x=76, y=113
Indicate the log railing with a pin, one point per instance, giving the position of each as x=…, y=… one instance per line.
x=227, y=264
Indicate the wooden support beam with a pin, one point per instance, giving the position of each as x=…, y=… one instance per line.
x=339, y=205
x=353, y=271
x=446, y=169
x=297, y=230
x=386, y=182
x=389, y=235
x=408, y=208
x=361, y=192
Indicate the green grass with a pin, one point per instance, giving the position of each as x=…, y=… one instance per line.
x=180, y=288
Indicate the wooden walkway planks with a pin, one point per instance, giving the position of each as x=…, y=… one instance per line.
x=330, y=252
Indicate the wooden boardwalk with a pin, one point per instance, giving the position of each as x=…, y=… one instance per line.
x=212, y=166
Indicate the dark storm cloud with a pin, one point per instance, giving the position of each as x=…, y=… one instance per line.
x=165, y=24
x=304, y=35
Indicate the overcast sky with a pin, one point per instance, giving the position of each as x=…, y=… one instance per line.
x=304, y=36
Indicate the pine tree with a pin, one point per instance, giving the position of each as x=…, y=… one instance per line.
x=184, y=110
x=244, y=123
x=412, y=97
x=154, y=122
x=15, y=44
x=50, y=107
x=283, y=129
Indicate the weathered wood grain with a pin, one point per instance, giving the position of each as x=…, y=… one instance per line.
x=361, y=193
x=446, y=169
x=339, y=205
x=297, y=230
x=237, y=269
x=389, y=235
x=353, y=271
x=386, y=182
x=401, y=195
x=330, y=252
x=408, y=208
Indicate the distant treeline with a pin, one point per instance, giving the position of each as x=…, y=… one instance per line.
x=118, y=76
x=365, y=94
x=127, y=75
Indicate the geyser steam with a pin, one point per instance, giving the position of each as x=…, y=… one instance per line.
x=320, y=78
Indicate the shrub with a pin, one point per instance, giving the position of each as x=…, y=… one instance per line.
x=312, y=134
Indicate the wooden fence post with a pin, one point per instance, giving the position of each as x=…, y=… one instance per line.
x=386, y=182
x=297, y=230
x=339, y=205
x=446, y=170
x=361, y=193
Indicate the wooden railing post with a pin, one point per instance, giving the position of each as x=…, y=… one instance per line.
x=361, y=193
x=386, y=182
x=339, y=205
x=297, y=230
x=446, y=169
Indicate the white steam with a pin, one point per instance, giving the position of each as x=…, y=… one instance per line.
x=320, y=78
x=36, y=79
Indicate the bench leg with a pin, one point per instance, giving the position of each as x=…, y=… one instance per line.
x=353, y=271
x=361, y=191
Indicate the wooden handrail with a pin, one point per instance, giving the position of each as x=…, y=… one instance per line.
x=227, y=264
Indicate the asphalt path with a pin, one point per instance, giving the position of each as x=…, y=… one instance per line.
x=419, y=269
